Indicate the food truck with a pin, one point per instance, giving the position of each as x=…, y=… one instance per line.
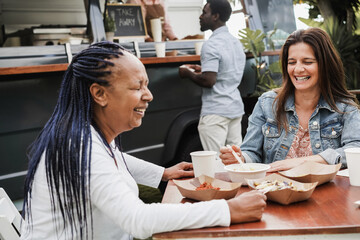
x=34, y=59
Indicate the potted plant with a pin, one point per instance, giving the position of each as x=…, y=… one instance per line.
x=109, y=25
x=253, y=42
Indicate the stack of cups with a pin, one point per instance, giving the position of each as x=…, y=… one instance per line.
x=157, y=32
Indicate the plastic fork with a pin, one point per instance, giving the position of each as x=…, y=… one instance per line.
x=243, y=165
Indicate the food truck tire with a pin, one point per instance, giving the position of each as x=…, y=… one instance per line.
x=189, y=143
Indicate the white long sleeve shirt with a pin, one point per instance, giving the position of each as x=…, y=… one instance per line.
x=117, y=211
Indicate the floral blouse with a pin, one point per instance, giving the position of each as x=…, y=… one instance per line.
x=300, y=146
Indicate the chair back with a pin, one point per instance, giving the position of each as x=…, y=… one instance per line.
x=10, y=218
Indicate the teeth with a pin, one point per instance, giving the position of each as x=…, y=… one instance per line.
x=302, y=78
x=139, y=110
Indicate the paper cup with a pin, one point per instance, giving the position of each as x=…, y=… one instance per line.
x=203, y=163
x=156, y=29
x=198, y=46
x=160, y=49
x=353, y=164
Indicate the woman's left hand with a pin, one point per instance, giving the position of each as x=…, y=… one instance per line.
x=180, y=170
x=286, y=164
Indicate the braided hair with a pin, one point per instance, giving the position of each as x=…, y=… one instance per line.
x=66, y=140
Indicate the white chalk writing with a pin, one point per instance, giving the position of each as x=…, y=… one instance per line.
x=127, y=22
x=126, y=12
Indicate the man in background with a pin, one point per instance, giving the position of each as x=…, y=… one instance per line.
x=222, y=66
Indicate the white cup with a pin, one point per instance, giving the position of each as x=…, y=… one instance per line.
x=353, y=164
x=203, y=163
x=198, y=46
x=160, y=49
x=156, y=29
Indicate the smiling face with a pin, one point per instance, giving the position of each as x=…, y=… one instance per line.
x=206, y=18
x=303, y=68
x=122, y=105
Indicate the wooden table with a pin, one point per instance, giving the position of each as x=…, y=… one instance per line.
x=330, y=211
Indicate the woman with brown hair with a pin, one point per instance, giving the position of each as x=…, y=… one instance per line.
x=312, y=117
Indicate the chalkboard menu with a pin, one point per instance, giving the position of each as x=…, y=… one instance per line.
x=129, y=20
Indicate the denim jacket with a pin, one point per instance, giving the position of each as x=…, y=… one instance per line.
x=330, y=132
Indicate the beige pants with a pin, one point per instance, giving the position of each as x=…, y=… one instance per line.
x=217, y=131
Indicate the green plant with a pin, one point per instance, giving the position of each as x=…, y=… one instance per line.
x=343, y=10
x=253, y=42
x=109, y=23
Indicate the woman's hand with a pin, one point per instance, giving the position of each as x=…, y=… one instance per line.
x=287, y=164
x=227, y=157
x=180, y=170
x=247, y=207
x=284, y=165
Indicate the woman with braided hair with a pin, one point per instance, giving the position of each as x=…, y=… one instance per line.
x=81, y=186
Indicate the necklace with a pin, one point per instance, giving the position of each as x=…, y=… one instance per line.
x=107, y=145
x=110, y=148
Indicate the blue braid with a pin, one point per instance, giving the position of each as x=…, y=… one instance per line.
x=66, y=139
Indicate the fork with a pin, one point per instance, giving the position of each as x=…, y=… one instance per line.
x=243, y=165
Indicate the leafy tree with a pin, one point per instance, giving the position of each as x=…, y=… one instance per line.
x=343, y=10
